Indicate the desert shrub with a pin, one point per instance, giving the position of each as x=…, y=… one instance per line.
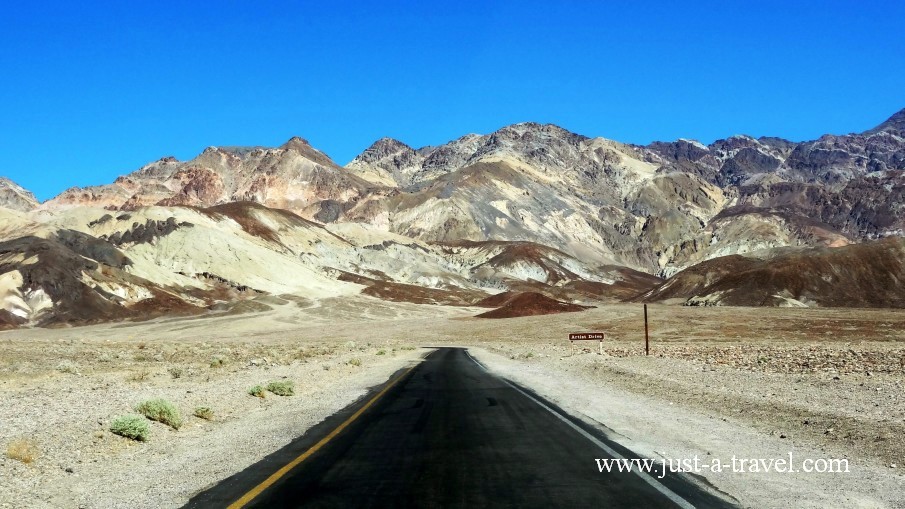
x=350, y=345
x=67, y=366
x=139, y=376
x=160, y=410
x=22, y=449
x=355, y=362
x=282, y=387
x=176, y=372
x=204, y=412
x=256, y=391
x=381, y=352
x=131, y=426
x=217, y=362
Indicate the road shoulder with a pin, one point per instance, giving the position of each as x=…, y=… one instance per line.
x=656, y=427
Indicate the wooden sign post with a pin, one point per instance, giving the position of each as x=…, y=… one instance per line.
x=587, y=336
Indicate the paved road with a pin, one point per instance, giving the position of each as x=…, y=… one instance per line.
x=450, y=434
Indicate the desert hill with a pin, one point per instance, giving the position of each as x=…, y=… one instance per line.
x=528, y=208
x=871, y=274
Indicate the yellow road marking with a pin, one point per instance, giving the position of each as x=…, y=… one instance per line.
x=276, y=476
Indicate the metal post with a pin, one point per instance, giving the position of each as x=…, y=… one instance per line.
x=646, y=336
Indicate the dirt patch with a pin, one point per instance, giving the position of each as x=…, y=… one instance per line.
x=495, y=301
x=531, y=304
x=163, y=304
x=401, y=292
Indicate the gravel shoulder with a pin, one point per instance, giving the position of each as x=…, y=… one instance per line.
x=664, y=407
x=61, y=396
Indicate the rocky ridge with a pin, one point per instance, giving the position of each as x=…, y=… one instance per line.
x=528, y=208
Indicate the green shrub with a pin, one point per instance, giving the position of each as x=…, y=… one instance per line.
x=161, y=410
x=257, y=391
x=131, y=426
x=355, y=362
x=204, y=412
x=381, y=352
x=217, y=362
x=282, y=387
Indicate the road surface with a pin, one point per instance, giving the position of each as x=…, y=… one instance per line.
x=448, y=433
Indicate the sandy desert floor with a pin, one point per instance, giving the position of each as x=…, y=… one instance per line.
x=756, y=383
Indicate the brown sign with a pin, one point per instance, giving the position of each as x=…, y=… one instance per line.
x=581, y=336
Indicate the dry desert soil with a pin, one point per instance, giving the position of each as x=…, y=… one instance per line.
x=749, y=382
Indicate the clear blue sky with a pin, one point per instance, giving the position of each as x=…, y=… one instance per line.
x=90, y=91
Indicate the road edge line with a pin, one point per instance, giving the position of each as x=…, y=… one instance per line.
x=253, y=493
x=668, y=493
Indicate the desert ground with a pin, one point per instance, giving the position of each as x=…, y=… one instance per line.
x=720, y=381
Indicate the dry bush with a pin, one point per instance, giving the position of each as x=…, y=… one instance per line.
x=139, y=376
x=67, y=366
x=23, y=449
x=204, y=412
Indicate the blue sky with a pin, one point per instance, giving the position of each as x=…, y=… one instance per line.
x=91, y=90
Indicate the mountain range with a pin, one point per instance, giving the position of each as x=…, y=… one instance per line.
x=527, y=208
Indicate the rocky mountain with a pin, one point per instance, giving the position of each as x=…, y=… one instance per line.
x=864, y=275
x=527, y=209
x=294, y=176
x=84, y=265
x=656, y=208
x=15, y=197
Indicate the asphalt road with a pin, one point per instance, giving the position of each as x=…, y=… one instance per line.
x=450, y=434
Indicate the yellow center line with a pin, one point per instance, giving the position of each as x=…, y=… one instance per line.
x=276, y=476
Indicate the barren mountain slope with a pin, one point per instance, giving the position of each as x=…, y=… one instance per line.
x=294, y=176
x=649, y=208
x=528, y=208
x=89, y=264
x=15, y=197
x=871, y=274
